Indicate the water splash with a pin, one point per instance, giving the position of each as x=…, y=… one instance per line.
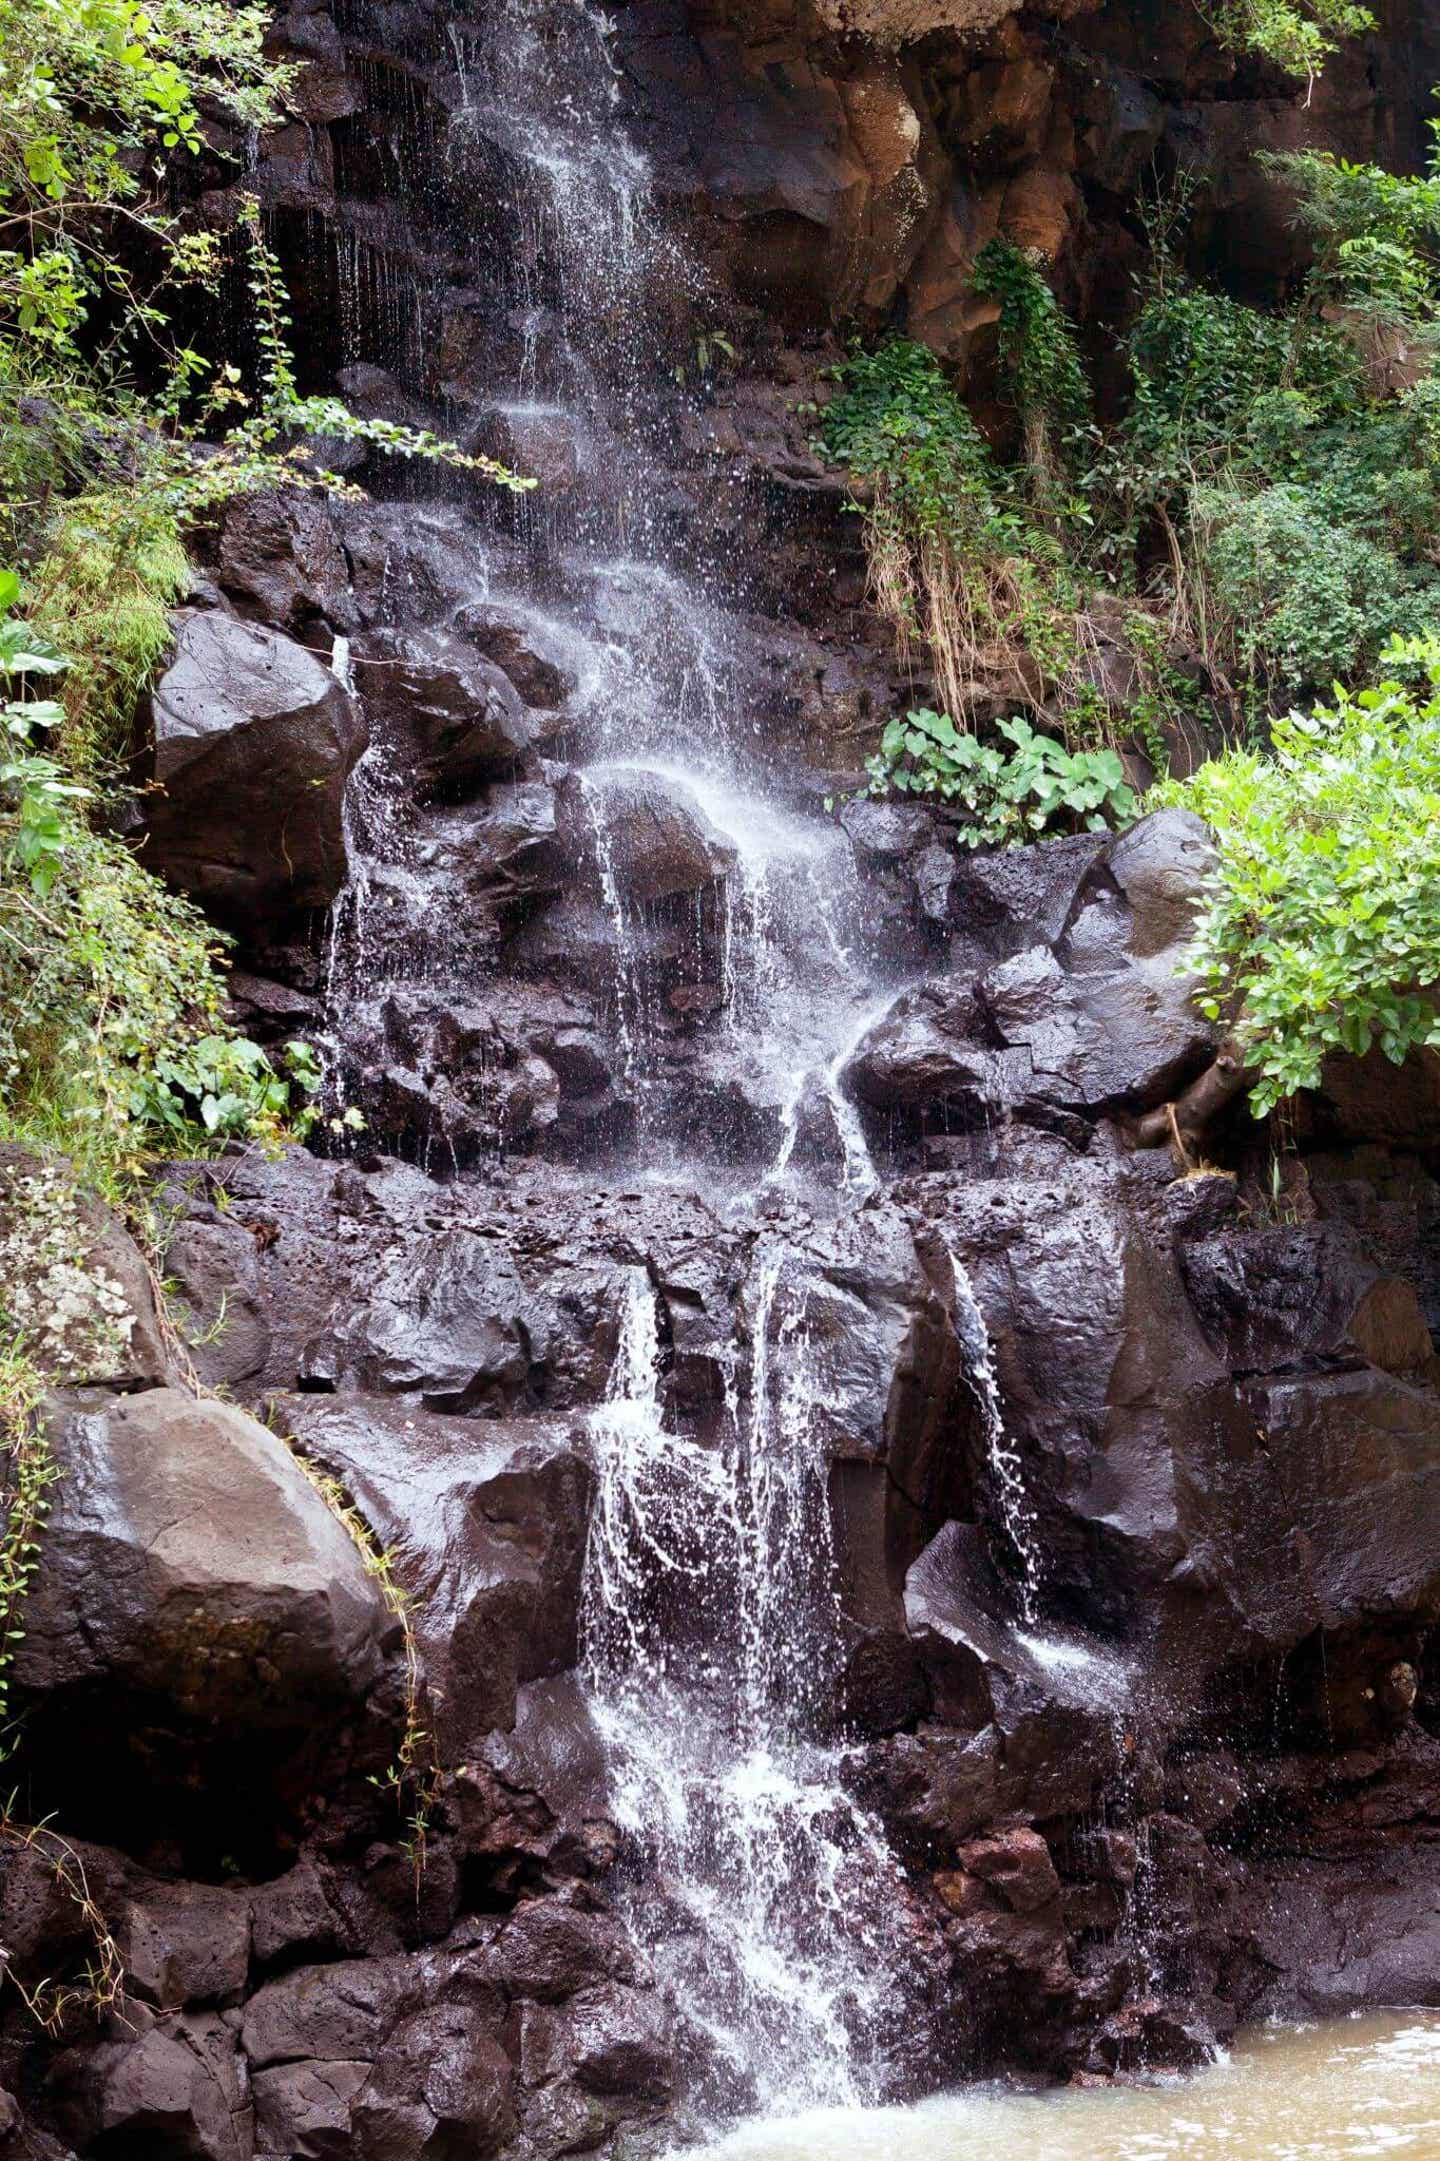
x=770, y=1902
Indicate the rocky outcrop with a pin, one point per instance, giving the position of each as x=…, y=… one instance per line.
x=1097, y=1021
x=253, y=740
x=189, y=1558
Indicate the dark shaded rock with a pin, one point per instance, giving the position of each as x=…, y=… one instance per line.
x=548, y=1952
x=454, y=718
x=1004, y=899
x=539, y=666
x=1356, y=1460
x=253, y=740
x=293, y=1914
x=1285, y=1294
x=280, y=559
x=183, y=1943
x=1098, y=1021
x=1155, y=875
x=614, y=2041
x=454, y=1071
x=188, y=1556
x=302, y=2110
x=442, y=2084
x=337, y=2013
x=486, y=1528
x=179, y=2085
x=1127, y=1037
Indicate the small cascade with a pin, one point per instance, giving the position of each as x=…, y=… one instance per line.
x=1017, y=1513
x=768, y=1900
x=627, y=991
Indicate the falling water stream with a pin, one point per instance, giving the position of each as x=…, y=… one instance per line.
x=770, y=1903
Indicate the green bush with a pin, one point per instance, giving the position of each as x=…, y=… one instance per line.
x=1037, y=787
x=1039, y=363
x=112, y=1034
x=1297, y=35
x=1293, y=596
x=1322, y=930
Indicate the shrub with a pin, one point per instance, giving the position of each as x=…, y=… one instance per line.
x=1040, y=364
x=1290, y=595
x=1322, y=930
x=1297, y=35
x=1036, y=787
x=112, y=1034
x=958, y=564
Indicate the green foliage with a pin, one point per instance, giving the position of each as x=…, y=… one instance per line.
x=1040, y=365
x=1322, y=931
x=94, y=94
x=1293, y=595
x=898, y=424
x=1373, y=231
x=1297, y=35
x=112, y=1039
x=958, y=563
x=102, y=591
x=1037, y=787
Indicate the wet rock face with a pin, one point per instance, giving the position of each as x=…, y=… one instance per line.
x=1140, y=1671
x=253, y=741
x=1096, y=1021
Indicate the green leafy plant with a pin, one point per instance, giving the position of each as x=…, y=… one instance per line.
x=1040, y=364
x=1297, y=35
x=1034, y=788
x=111, y=993
x=1322, y=929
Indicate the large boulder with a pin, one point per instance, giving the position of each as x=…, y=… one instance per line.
x=279, y=558
x=188, y=1558
x=455, y=719
x=447, y=1318
x=485, y=1524
x=253, y=741
x=177, y=2087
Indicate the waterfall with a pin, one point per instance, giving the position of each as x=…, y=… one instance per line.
x=768, y=1899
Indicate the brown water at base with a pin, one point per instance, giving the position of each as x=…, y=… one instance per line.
x=1357, y=2089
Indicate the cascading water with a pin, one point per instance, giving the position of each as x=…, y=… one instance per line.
x=769, y=1900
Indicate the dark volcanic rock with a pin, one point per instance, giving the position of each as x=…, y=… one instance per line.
x=454, y=718
x=188, y=1557
x=448, y=1319
x=1098, y=1021
x=253, y=740
x=281, y=561
x=486, y=1526
x=657, y=841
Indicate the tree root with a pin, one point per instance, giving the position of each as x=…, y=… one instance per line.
x=1185, y=1122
